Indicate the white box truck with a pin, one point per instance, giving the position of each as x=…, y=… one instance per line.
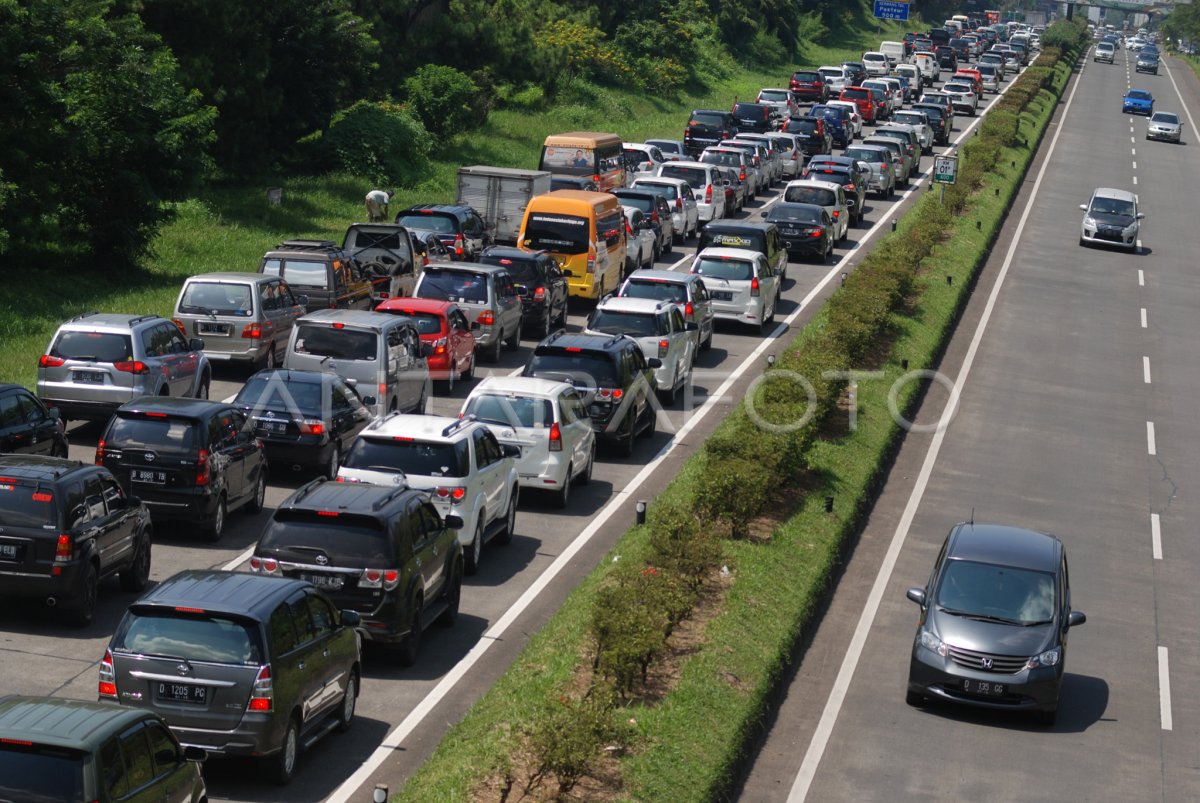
x=500, y=195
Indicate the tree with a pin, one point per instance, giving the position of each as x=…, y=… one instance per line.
x=98, y=130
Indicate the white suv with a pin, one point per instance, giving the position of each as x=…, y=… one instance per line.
x=660, y=331
x=547, y=420
x=459, y=461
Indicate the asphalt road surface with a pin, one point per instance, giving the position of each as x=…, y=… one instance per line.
x=1078, y=370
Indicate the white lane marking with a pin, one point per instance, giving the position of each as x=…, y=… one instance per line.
x=1164, y=689
x=1146, y=369
x=1141, y=278
x=1134, y=153
x=1135, y=165
x=1132, y=139
x=1155, y=536
x=1179, y=94
x=841, y=684
x=1151, y=446
x=1139, y=242
x=1135, y=179
x=1143, y=317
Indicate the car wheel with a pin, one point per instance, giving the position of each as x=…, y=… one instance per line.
x=60, y=449
x=669, y=245
x=915, y=699
x=655, y=253
x=283, y=763
x=349, y=701
x=652, y=425
x=469, y=374
x=216, y=528
x=449, y=615
x=494, y=351
x=545, y=329
x=563, y=498
x=335, y=462
x=270, y=361
x=408, y=650
x=669, y=395
x=202, y=390
x=586, y=475
x=85, y=606
x=510, y=519
x=514, y=340
x=625, y=445
x=137, y=574
x=706, y=344
x=474, y=550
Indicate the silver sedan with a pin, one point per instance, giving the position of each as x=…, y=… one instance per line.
x=1164, y=126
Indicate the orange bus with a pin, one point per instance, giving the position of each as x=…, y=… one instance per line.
x=585, y=232
x=586, y=153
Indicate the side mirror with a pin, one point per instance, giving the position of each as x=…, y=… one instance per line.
x=302, y=299
x=196, y=344
x=369, y=400
x=1076, y=618
x=1083, y=207
x=917, y=595
x=351, y=618
x=654, y=362
x=454, y=521
x=474, y=326
x=426, y=349
x=353, y=383
x=193, y=753
x=1141, y=215
x=510, y=450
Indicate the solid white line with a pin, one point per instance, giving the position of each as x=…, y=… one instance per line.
x=1141, y=278
x=841, y=684
x=1151, y=447
x=1146, y=369
x=1143, y=317
x=1164, y=689
x=1179, y=94
x=1155, y=536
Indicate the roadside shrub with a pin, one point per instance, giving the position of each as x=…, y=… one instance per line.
x=1064, y=34
x=1000, y=125
x=679, y=544
x=733, y=490
x=442, y=99
x=634, y=614
x=380, y=141
x=1037, y=75
x=567, y=735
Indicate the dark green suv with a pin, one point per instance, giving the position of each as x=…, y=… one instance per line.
x=72, y=751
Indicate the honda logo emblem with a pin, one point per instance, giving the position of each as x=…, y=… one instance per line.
x=985, y=662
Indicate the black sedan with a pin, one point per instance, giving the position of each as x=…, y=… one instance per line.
x=27, y=426
x=805, y=229
x=304, y=419
x=994, y=621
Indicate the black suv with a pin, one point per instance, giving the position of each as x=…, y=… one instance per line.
x=237, y=664
x=750, y=235
x=320, y=273
x=304, y=419
x=539, y=282
x=615, y=379
x=63, y=526
x=947, y=57
x=28, y=426
x=71, y=751
x=755, y=118
x=460, y=228
x=708, y=127
x=654, y=207
x=380, y=550
x=189, y=460
x=813, y=134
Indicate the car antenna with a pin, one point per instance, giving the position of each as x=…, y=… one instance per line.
x=972, y=521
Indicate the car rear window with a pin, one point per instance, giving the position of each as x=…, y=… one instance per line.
x=749, y=110
x=773, y=95
x=821, y=196
x=218, y=298
x=307, y=533
x=696, y=177
x=439, y=222
x=722, y=158
x=298, y=272
x=512, y=410
x=273, y=391
x=805, y=76
x=638, y=202
x=614, y=322
x=322, y=340
x=832, y=74
x=655, y=289
x=190, y=636
x=725, y=268
x=24, y=505
x=753, y=240
x=128, y=430
x=708, y=118
x=561, y=234
x=40, y=773
x=856, y=94
x=581, y=368
x=792, y=213
x=865, y=154
x=455, y=285
x=412, y=456
x=94, y=346
x=668, y=191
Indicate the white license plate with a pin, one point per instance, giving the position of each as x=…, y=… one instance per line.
x=273, y=427
x=719, y=296
x=10, y=551
x=146, y=475
x=984, y=687
x=326, y=581
x=181, y=693
x=212, y=328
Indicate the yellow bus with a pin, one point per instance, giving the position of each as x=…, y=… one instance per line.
x=586, y=153
x=585, y=231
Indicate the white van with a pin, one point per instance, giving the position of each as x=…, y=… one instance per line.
x=894, y=52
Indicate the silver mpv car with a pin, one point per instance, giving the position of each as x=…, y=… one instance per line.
x=242, y=317
x=741, y=284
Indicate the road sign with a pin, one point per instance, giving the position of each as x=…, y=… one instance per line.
x=945, y=169
x=891, y=9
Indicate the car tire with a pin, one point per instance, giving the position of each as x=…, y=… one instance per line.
x=669, y=246
x=282, y=765
x=257, y=502
x=349, y=703
x=330, y=470
x=585, y=476
x=60, y=449
x=214, y=529
x=453, y=597
x=494, y=351
x=269, y=361
x=652, y=425
x=406, y=653
x=135, y=576
x=915, y=699
x=514, y=340
x=562, y=499
x=505, y=536
x=544, y=330
x=625, y=444
x=469, y=374
x=706, y=344
x=85, y=607
x=202, y=389
x=668, y=396
x=474, y=551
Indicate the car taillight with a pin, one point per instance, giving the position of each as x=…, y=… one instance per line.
x=850, y=188
x=679, y=203
x=312, y=427
x=689, y=310
x=439, y=346
x=108, y=677
x=664, y=346
x=628, y=230
x=264, y=565
x=486, y=318
x=64, y=549
x=132, y=367
x=742, y=175
x=253, y=331
x=708, y=194
x=817, y=232
x=262, y=695
x=591, y=264
x=450, y=493
x=100, y=452
x=179, y=325
x=202, y=468
x=458, y=245
x=754, y=286
x=47, y=361
x=555, y=438
x=609, y=394
x=539, y=294
x=836, y=213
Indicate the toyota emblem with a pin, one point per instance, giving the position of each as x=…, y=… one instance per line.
x=270, y=413
x=986, y=662
x=183, y=669
x=149, y=457
x=322, y=560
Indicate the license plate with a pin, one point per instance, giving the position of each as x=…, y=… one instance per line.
x=147, y=475
x=720, y=296
x=273, y=427
x=87, y=377
x=11, y=551
x=331, y=582
x=985, y=687
x=212, y=328
x=181, y=693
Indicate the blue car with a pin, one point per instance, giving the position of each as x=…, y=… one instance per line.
x=1138, y=101
x=838, y=120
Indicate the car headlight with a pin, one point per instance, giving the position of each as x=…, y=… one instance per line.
x=1089, y=221
x=933, y=643
x=1048, y=658
x=1131, y=227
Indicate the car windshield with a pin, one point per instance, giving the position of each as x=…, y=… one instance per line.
x=217, y=298
x=773, y=95
x=1020, y=596
x=511, y=410
x=580, y=368
x=429, y=221
x=416, y=457
x=41, y=773
x=94, y=346
x=655, y=289
x=795, y=213
x=614, y=322
x=281, y=391
x=562, y=234
x=1138, y=94
x=200, y=636
x=697, y=178
x=1165, y=117
x=132, y=431
x=27, y=506
x=800, y=194
x=304, y=534
x=322, y=340
x=725, y=268
x=1112, y=206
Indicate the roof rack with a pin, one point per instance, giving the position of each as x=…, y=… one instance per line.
x=141, y=318
x=83, y=315
x=321, y=244
x=400, y=488
x=307, y=489
x=379, y=422
x=455, y=426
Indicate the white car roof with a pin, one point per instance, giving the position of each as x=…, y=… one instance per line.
x=847, y=104
x=677, y=182
x=1110, y=192
x=812, y=182
x=874, y=53
x=520, y=386
x=643, y=306
x=421, y=427
x=773, y=89
x=729, y=253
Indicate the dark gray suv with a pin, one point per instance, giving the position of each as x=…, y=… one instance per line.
x=238, y=664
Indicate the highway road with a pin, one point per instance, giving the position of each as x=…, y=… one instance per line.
x=1077, y=371
x=403, y=713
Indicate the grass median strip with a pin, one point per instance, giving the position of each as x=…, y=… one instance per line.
x=684, y=728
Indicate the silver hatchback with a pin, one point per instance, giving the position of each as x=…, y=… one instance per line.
x=97, y=361
x=244, y=317
x=741, y=284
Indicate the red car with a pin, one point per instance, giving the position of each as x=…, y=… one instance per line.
x=863, y=99
x=443, y=326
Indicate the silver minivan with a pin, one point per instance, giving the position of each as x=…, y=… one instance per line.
x=741, y=284
x=381, y=355
x=706, y=182
x=245, y=317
